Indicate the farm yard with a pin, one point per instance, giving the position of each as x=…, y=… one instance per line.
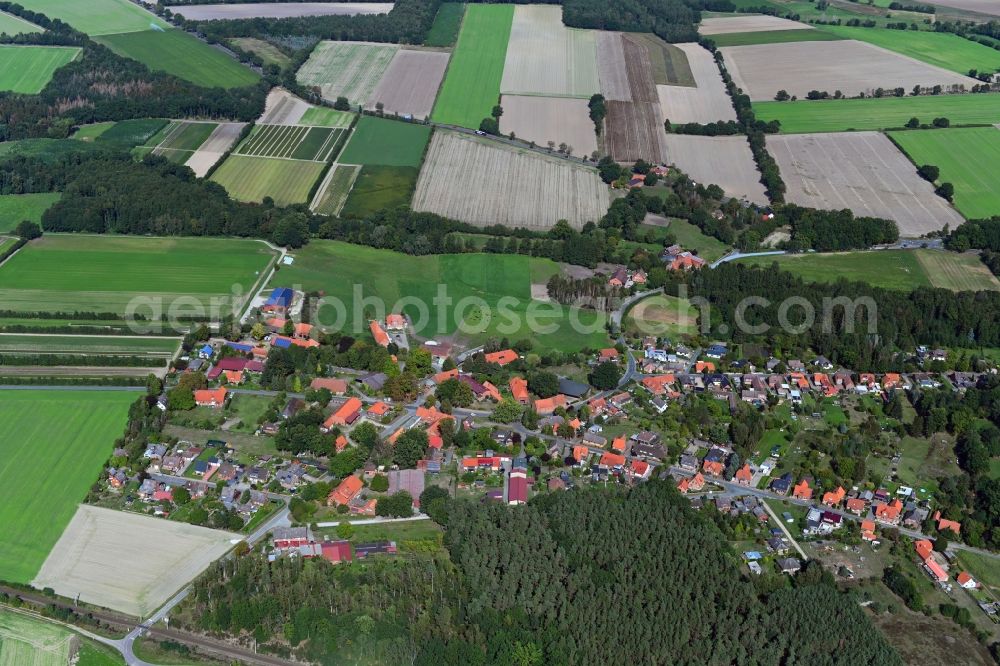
x=54, y=445
x=862, y=171
x=480, y=182
x=410, y=84
x=333, y=192
x=279, y=10
x=75, y=273
x=708, y=101
x=128, y=562
x=543, y=119
x=546, y=58
x=28, y=69
x=387, y=142
x=253, y=178
x=214, y=147
x=472, y=84
x=15, y=25
x=967, y=158
x=872, y=114
x=748, y=23
x=334, y=268
x=850, y=66
x=28, y=640
x=293, y=142
x=725, y=161
x=347, y=69
x=17, y=207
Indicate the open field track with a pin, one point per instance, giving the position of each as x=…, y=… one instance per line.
x=279, y=10
x=28, y=69
x=543, y=119
x=749, y=23
x=968, y=159
x=862, y=171
x=54, y=445
x=634, y=131
x=707, y=102
x=411, y=82
x=283, y=108
x=332, y=194
x=611, y=68
x=128, y=562
x=544, y=57
x=251, y=179
x=483, y=183
x=852, y=67
x=725, y=161
x=347, y=69
x=215, y=146
x=293, y=142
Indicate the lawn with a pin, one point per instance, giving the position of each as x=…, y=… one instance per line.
x=891, y=269
x=886, y=113
x=320, y=115
x=690, y=237
x=70, y=273
x=968, y=159
x=15, y=25
x=446, y=24
x=378, y=188
x=54, y=445
x=940, y=49
x=663, y=315
x=386, y=142
x=772, y=37
x=97, y=17
x=958, y=272
x=253, y=178
x=472, y=84
x=28, y=69
x=984, y=569
x=335, y=268
x=15, y=208
x=31, y=640
x=183, y=55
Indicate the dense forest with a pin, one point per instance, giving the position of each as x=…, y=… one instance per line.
x=545, y=584
x=975, y=234
x=831, y=231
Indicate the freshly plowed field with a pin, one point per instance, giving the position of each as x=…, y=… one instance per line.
x=640, y=71
x=634, y=131
x=482, y=182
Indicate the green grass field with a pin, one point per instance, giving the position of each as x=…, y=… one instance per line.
x=131, y=133
x=380, y=187
x=31, y=640
x=472, y=84
x=444, y=30
x=253, y=178
x=91, y=131
x=941, y=49
x=968, y=159
x=662, y=315
x=690, y=237
x=97, y=17
x=15, y=25
x=113, y=345
x=186, y=135
x=178, y=53
x=958, y=272
x=268, y=53
x=324, y=117
x=72, y=273
x=872, y=114
x=15, y=208
x=54, y=445
x=28, y=69
x=386, y=142
x=334, y=268
x=772, y=37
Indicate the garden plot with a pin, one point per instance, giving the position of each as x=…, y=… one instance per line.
x=544, y=119
x=611, y=68
x=333, y=192
x=279, y=10
x=750, y=23
x=544, y=57
x=347, y=69
x=215, y=146
x=283, y=108
x=708, y=102
x=862, y=171
x=481, y=182
x=410, y=84
x=725, y=161
x=850, y=66
x=128, y=562
x=294, y=142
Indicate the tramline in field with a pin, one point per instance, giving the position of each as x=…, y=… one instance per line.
x=313, y=144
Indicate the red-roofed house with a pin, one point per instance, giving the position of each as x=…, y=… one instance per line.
x=492, y=392
x=233, y=376
x=924, y=548
x=868, y=530
x=519, y=389
x=546, y=406
x=704, y=366
x=835, y=498
x=395, y=322
x=337, y=551
x=618, y=444
x=517, y=487
x=597, y=406
x=341, y=443
x=580, y=453
x=211, y=397
x=334, y=386
x=379, y=409
x=640, y=469
x=381, y=337
x=303, y=330
x=856, y=506
x=609, y=354
x=935, y=570
x=953, y=525
x=612, y=460
x=713, y=467
x=685, y=261
x=802, y=490
x=347, y=414
x=429, y=415
x=966, y=581
x=889, y=513
x=744, y=476
x=691, y=484
x=502, y=357
x=445, y=375
x=345, y=492
x=657, y=385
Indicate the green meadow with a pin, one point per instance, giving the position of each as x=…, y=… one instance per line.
x=772, y=37
x=28, y=69
x=386, y=142
x=15, y=25
x=378, y=187
x=446, y=25
x=15, y=208
x=98, y=17
x=253, y=178
x=941, y=49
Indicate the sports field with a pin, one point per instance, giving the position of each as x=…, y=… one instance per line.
x=26, y=640
x=293, y=142
x=886, y=113
x=97, y=17
x=378, y=187
x=389, y=142
x=178, y=53
x=335, y=268
x=76, y=273
x=472, y=85
x=54, y=445
x=968, y=159
x=935, y=48
x=15, y=25
x=253, y=178
x=28, y=69
x=14, y=208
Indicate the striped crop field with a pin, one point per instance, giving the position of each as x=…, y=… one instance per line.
x=293, y=142
x=333, y=194
x=253, y=178
x=90, y=345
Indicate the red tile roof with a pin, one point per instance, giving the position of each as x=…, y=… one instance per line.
x=381, y=337
x=580, y=453
x=744, y=475
x=612, y=460
x=444, y=376
x=924, y=548
x=618, y=444
x=346, y=491
x=329, y=383
x=379, y=409
x=548, y=405
x=502, y=357
x=834, y=498
x=802, y=490
x=945, y=524
x=519, y=389
x=345, y=414
x=211, y=397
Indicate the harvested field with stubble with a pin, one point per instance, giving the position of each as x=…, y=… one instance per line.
x=215, y=146
x=279, y=10
x=958, y=272
x=749, y=23
x=544, y=57
x=283, y=108
x=128, y=562
x=611, y=67
x=862, y=171
x=707, y=102
x=725, y=161
x=634, y=131
x=543, y=119
x=411, y=82
x=850, y=66
x=481, y=182
x=347, y=69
